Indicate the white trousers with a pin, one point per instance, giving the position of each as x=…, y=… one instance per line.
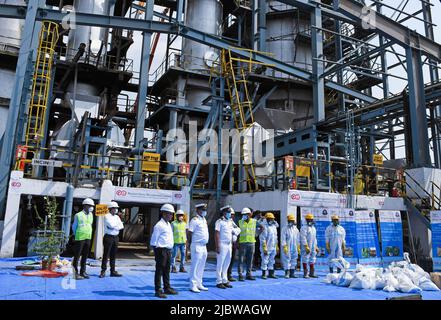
x=289, y=261
x=223, y=262
x=198, y=259
x=268, y=260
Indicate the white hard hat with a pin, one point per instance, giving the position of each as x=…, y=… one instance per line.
x=168, y=208
x=226, y=207
x=201, y=205
x=246, y=211
x=113, y=204
x=180, y=212
x=89, y=202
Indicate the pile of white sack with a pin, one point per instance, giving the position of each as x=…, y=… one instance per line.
x=401, y=276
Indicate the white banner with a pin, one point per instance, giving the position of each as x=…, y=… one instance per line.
x=141, y=195
x=316, y=199
x=47, y=163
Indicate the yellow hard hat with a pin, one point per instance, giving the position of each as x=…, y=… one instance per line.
x=291, y=217
x=309, y=216
x=269, y=215
x=335, y=217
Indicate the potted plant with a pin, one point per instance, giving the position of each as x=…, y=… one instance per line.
x=49, y=238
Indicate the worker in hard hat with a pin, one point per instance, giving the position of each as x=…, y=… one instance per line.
x=224, y=232
x=82, y=230
x=247, y=241
x=112, y=226
x=308, y=244
x=335, y=236
x=198, y=239
x=268, y=246
x=234, y=246
x=162, y=243
x=179, y=227
x=290, y=237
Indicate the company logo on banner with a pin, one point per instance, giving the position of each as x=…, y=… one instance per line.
x=149, y=195
x=347, y=221
x=316, y=199
x=435, y=220
x=391, y=236
x=368, y=247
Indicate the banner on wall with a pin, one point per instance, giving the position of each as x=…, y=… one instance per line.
x=322, y=218
x=435, y=220
x=368, y=247
x=347, y=221
x=391, y=230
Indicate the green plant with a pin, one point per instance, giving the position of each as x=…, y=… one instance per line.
x=50, y=238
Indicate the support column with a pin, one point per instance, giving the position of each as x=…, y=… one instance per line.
x=142, y=94
x=17, y=104
x=417, y=110
x=107, y=195
x=317, y=65
x=259, y=25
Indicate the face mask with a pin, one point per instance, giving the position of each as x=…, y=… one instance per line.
x=271, y=222
x=203, y=214
x=228, y=215
x=244, y=217
x=310, y=223
x=114, y=211
x=335, y=223
x=90, y=209
x=291, y=224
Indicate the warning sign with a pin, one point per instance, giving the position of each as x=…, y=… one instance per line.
x=101, y=209
x=150, y=162
x=378, y=159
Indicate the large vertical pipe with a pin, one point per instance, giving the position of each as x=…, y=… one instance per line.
x=318, y=86
x=67, y=214
x=143, y=84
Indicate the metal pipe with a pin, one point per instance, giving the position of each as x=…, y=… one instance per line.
x=67, y=211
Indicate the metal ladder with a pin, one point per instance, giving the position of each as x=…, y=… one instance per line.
x=41, y=85
x=235, y=72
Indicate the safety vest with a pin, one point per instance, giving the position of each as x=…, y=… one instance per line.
x=84, y=227
x=179, y=232
x=247, y=231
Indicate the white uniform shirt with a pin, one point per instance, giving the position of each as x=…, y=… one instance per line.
x=227, y=230
x=162, y=236
x=112, y=224
x=236, y=231
x=199, y=228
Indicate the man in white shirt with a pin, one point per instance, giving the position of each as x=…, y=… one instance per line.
x=162, y=242
x=198, y=237
x=112, y=226
x=225, y=230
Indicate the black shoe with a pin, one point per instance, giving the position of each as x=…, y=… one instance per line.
x=221, y=286
x=286, y=274
x=331, y=270
x=231, y=279
x=115, y=274
x=250, y=277
x=227, y=285
x=84, y=275
x=338, y=270
x=170, y=291
x=102, y=274
x=78, y=277
x=263, y=274
x=173, y=270
x=272, y=275
x=182, y=269
x=160, y=294
x=241, y=278
x=292, y=273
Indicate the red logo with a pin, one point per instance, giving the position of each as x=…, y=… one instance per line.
x=121, y=193
x=16, y=184
x=295, y=196
x=178, y=195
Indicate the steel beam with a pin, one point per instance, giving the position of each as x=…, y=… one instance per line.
x=318, y=84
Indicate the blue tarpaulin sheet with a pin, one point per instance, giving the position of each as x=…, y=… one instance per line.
x=137, y=283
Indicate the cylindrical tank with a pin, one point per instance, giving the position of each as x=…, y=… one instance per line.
x=10, y=40
x=203, y=15
x=93, y=37
x=11, y=29
x=284, y=31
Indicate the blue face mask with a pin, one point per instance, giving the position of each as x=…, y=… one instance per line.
x=203, y=214
x=228, y=215
x=244, y=217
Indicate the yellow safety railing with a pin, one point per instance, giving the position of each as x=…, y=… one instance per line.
x=235, y=71
x=41, y=84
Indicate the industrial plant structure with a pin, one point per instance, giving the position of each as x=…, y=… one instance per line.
x=333, y=89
